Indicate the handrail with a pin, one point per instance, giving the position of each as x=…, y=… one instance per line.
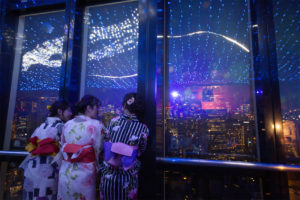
x=202, y=162
x=231, y=164
x=14, y=153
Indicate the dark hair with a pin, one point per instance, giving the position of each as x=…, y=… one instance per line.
x=87, y=100
x=59, y=104
x=137, y=107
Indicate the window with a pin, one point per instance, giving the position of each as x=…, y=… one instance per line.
x=36, y=76
x=209, y=107
x=287, y=27
x=110, y=53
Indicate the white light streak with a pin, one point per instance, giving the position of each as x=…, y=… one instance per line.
x=124, y=34
x=212, y=33
x=42, y=54
x=115, y=77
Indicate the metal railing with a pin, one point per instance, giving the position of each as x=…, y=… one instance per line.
x=14, y=153
x=230, y=164
x=201, y=162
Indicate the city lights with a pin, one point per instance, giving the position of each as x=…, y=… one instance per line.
x=209, y=63
x=175, y=94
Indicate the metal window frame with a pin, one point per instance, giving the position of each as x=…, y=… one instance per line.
x=269, y=145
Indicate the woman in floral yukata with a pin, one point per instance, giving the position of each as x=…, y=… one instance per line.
x=125, y=140
x=82, y=141
x=40, y=176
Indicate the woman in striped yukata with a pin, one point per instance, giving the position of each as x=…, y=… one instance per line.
x=125, y=141
x=40, y=176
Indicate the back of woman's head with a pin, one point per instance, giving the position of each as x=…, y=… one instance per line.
x=134, y=104
x=87, y=100
x=59, y=104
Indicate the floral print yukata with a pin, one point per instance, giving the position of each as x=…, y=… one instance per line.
x=77, y=180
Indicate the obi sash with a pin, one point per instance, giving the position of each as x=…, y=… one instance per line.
x=78, y=153
x=120, y=154
x=47, y=146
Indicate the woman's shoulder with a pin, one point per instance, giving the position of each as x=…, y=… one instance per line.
x=144, y=126
x=144, y=130
x=94, y=122
x=117, y=118
x=53, y=121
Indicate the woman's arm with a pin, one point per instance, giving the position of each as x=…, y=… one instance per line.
x=143, y=140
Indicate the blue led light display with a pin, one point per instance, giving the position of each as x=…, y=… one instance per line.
x=287, y=31
x=42, y=52
x=209, y=42
x=208, y=108
x=112, y=52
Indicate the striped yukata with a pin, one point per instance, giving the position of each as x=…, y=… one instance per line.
x=116, y=182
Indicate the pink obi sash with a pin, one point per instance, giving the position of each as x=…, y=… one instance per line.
x=78, y=153
x=120, y=154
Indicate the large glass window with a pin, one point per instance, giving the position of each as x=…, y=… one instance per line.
x=214, y=185
x=209, y=108
x=110, y=53
x=36, y=75
x=287, y=36
x=11, y=180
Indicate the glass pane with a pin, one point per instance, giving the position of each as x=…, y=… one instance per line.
x=13, y=180
x=110, y=53
x=37, y=74
x=159, y=143
x=192, y=185
x=210, y=109
x=294, y=185
x=286, y=18
x=287, y=34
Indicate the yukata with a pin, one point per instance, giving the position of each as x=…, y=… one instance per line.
x=40, y=177
x=125, y=140
x=82, y=141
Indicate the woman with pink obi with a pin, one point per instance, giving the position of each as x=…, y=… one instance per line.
x=125, y=140
x=82, y=142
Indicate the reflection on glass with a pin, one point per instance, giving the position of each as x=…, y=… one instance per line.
x=159, y=143
x=187, y=185
x=13, y=181
x=110, y=53
x=286, y=15
x=293, y=184
x=209, y=108
x=38, y=78
x=287, y=27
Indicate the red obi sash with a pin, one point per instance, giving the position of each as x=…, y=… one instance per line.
x=47, y=146
x=79, y=153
